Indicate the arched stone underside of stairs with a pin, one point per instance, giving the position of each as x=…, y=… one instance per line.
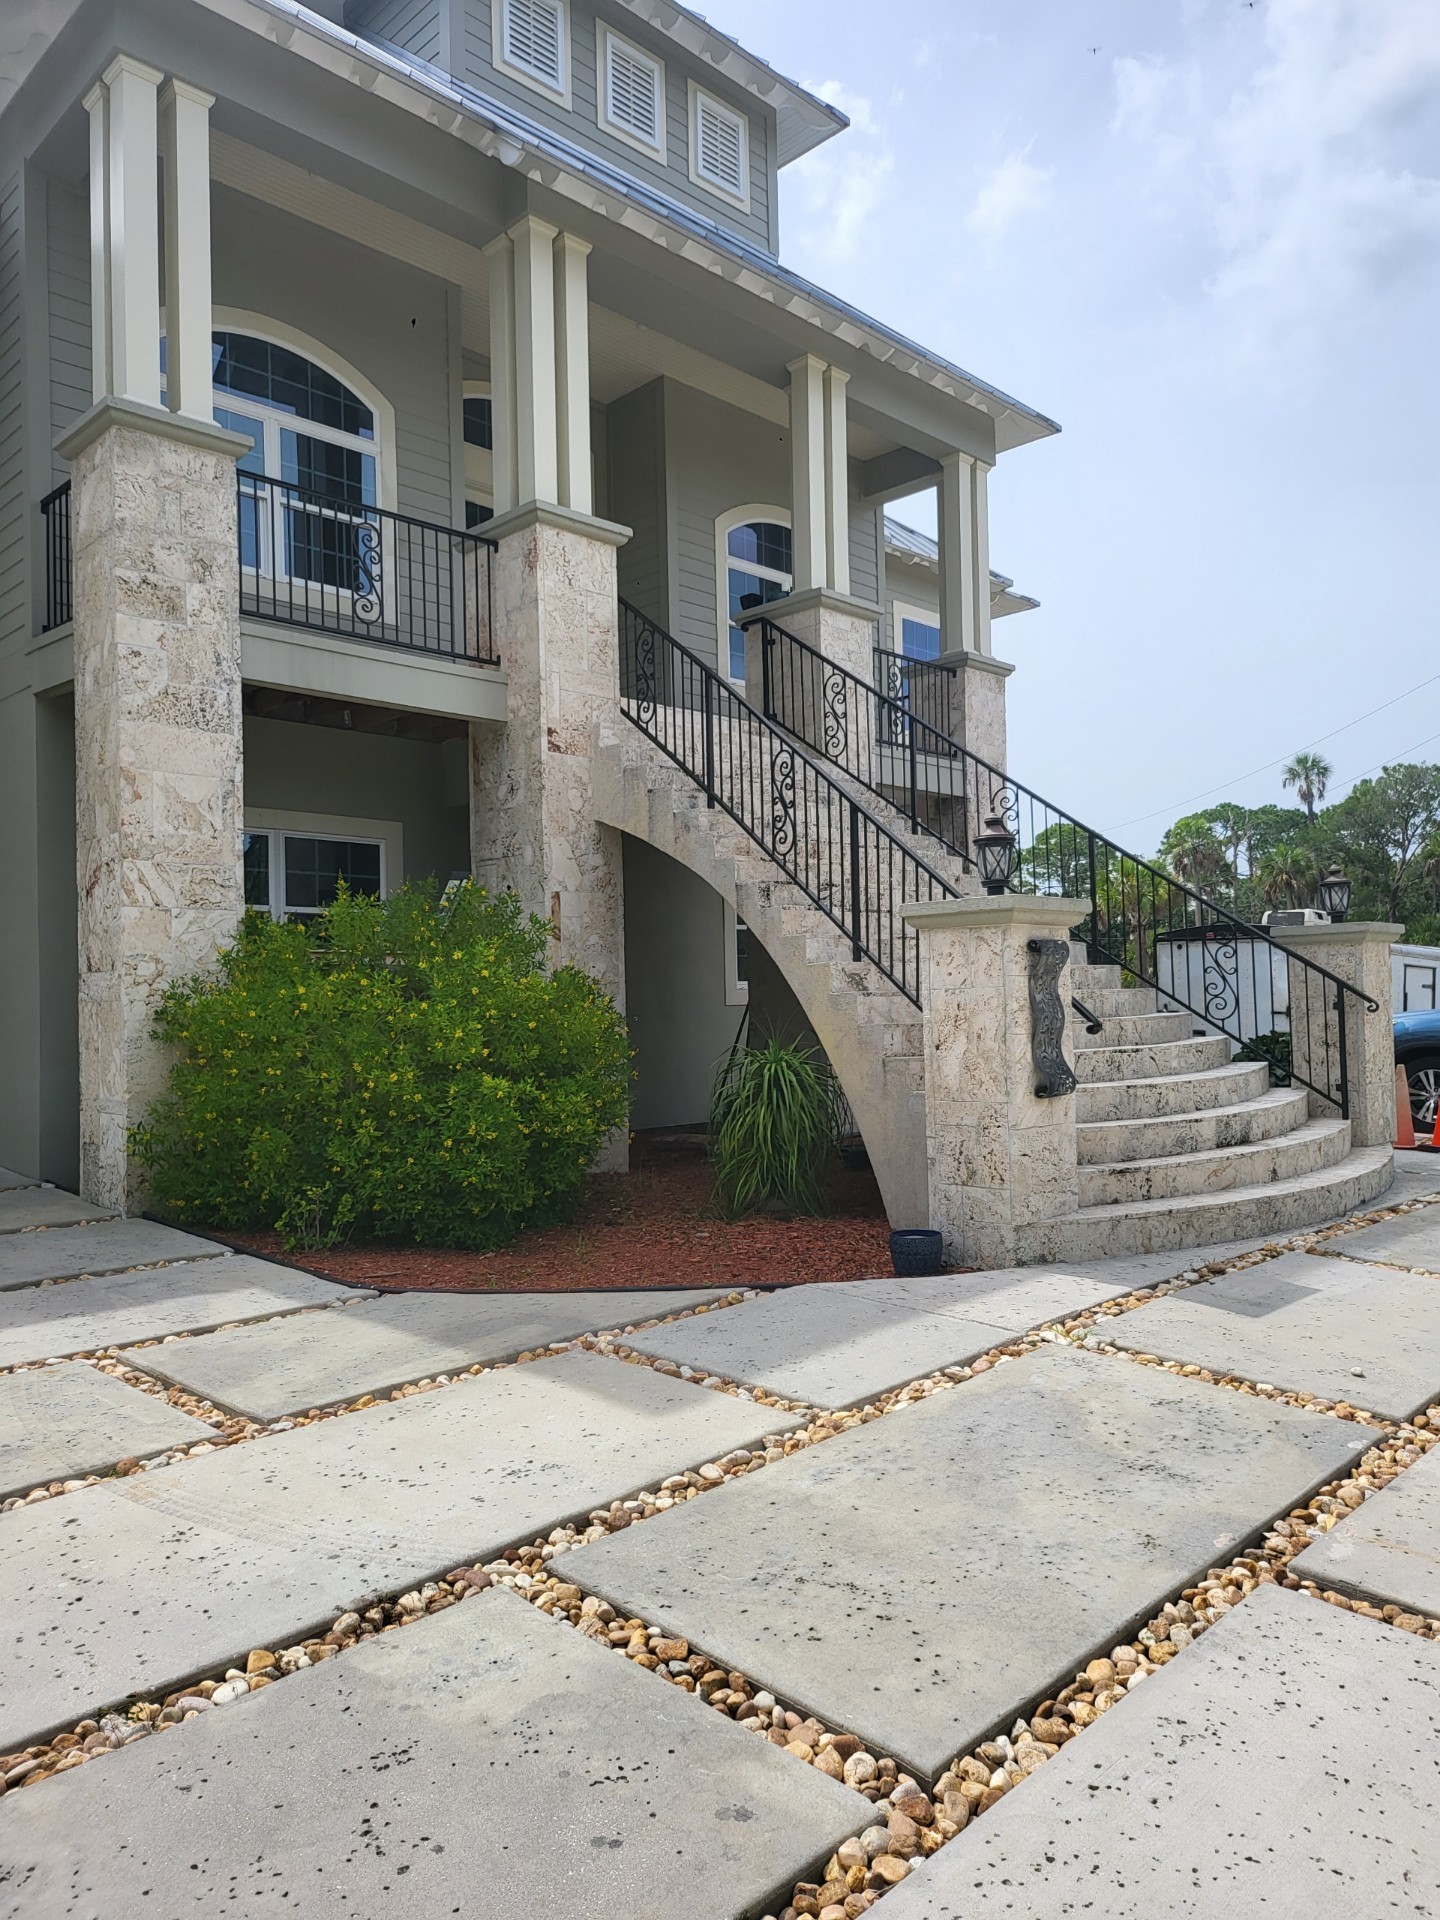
x=1177, y=1145
x=870, y=1032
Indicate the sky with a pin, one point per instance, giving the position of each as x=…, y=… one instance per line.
x=1204, y=236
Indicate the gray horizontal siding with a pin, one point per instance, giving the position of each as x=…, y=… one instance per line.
x=411, y=24
x=865, y=554
x=635, y=437
x=14, y=612
x=582, y=125
x=68, y=263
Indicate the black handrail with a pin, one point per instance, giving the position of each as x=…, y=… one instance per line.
x=851, y=866
x=314, y=559
x=925, y=688
x=1230, y=980
x=59, y=565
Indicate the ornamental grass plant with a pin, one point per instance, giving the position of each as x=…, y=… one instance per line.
x=401, y=1069
x=774, y=1119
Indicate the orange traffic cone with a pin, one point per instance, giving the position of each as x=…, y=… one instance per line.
x=1404, y=1124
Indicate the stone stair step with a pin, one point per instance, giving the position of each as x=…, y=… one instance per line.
x=1107, y=1142
x=1309, y=1148
x=1114, y=1001
x=1133, y=1030
x=1164, y=1096
x=1197, y=1220
x=1150, y=1062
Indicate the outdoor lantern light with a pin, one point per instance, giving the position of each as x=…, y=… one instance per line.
x=1335, y=894
x=995, y=849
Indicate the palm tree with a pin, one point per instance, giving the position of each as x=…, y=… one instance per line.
x=1309, y=774
x=1287, y=873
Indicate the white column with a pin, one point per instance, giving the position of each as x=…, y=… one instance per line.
x=185, y=156
x=501, y=257
x=97, y=105
x=957, y=553
x=537, y=464
x=134, y=231
x=807, y=471
x=572, y=373
x=837, y=482
x=980, y=508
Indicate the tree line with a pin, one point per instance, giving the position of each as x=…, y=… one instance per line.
x=1384, y=835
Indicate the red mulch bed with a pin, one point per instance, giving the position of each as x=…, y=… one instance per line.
x=656, y=1226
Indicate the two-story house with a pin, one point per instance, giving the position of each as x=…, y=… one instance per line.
x=406, y=427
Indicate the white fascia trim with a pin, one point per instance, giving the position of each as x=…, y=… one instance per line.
x=558, y=96
x=401, y=84
x=656, y=149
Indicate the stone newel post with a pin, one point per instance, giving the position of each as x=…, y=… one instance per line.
x=1358, y=952
x=158, y=760
x=1001, y=1158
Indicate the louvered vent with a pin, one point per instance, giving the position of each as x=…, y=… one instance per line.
x=719, y=146
x=632, y=91
x=535, y=39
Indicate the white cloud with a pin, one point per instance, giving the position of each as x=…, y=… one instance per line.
x=1142, y=87
x=1013, y=188
x=840, y=186
x=1323, y=202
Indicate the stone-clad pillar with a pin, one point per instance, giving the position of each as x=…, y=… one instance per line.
x=158, y=763
x=533, y=826
x=1001, y=1157
x=1357, y=951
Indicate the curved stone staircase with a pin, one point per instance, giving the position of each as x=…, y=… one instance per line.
x=1179, y=1146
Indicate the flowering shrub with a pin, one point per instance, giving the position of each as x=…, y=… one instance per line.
x=398, y=1069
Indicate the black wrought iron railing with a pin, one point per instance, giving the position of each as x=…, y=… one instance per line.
x=1232, y=976
x=924, y=689
x=311, y=559
x=847, y=862
x=59, y=559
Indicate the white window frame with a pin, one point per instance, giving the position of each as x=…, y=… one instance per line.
x=499, y=9
x=724, y=527
x=388, y=835
x=737, y=991
x=479, y=461
x=903, y=610
x=604, y=40
x=699, y=179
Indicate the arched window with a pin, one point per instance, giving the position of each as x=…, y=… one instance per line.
x=754, y=561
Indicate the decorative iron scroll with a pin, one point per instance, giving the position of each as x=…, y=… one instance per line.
x=367, y=604
x=782, y=802
x=1047, y=1018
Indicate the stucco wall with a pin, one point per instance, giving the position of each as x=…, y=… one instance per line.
x=324, y=770
x=675, y=962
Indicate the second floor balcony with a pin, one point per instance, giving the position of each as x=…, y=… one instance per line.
x=319, y=561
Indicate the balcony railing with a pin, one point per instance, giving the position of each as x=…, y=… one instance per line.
x=310, y=559
x=59, y=566
x=919, y=689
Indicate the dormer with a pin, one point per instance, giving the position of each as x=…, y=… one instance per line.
x=644, y=88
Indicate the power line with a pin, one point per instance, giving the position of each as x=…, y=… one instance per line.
x=1240, y=778
x=1390, y=760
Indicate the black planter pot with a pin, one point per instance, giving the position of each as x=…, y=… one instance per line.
x=916, y=1252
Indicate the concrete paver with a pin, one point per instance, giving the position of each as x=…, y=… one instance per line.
x=1388, y=1549
x=919, y=1579
x=82, y=1316
x=138, y=1584
x=107, y=1246
x=60, y=1422
x=1406, y=1240
x=23, y=1207
x=288, y=1366
x=1286, y=1764
x=487, y=1762
x=1306, y=1322
x=833, y=1345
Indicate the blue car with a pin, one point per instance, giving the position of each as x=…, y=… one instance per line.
x=1417, y=1049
